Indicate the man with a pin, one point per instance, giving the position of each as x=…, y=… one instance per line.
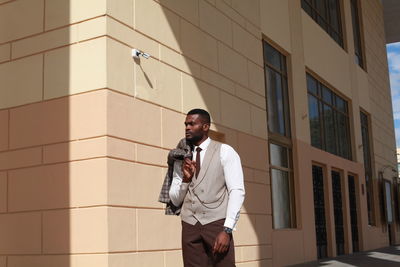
x=210, y=189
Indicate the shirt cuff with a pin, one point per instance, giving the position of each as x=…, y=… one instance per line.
x=230, y=223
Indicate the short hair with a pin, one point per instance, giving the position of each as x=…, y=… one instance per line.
x=205, y=116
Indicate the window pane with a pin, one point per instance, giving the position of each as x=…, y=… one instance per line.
x=315, y=123
x=321, y=8
x=278, y=155
x=305, y=4
x=330, y=140
x=329, y=122
x=341, y=104
x=286, y=108
x=276, y=118
x=327, y=14
x=356, y=32
x=272, y=56
x=367, y=165
x=280, y=198
x=333, y=15
x=312, y=85
x=322, y=22
x=342, y=129
x=366, y=143
x=337, y=38
x=366, y=149
x=327, y=95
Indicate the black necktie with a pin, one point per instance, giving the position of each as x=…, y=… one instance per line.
x=198, y=149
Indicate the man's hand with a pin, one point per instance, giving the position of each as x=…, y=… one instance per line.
x=188, y=170
x=221, y=244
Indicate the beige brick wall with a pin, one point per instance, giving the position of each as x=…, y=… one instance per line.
x=380, y=105
x=80, y=163
x=379, y=87
x=204, y=54
x=85, y=129
x=53, y=143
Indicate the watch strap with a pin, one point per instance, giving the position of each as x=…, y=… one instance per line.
x=228, y=230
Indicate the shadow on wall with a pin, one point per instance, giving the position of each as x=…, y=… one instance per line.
x=34, y=169
x=204, y=86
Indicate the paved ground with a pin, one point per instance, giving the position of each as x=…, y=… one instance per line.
x=389, y=256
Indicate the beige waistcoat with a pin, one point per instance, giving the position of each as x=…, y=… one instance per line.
x=207, y=197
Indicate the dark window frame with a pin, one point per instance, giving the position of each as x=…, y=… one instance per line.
x=336, y=111
x=310, y=7
x=365, y=127
x=284, y=82
x=276, y=138
x=357, y=33
x=290, y=172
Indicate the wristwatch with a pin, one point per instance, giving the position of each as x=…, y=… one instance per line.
x=228, y=230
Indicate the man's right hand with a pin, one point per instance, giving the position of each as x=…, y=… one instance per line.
x=188, y=170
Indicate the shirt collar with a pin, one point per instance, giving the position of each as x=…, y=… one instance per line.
x=204, y=145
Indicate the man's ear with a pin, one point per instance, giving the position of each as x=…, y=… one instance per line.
x=206, y=127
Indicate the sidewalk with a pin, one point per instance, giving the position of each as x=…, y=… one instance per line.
x=389, y=256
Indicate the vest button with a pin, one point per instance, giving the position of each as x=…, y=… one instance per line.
x=194, y=212
x=202, y=190
x=191, y=185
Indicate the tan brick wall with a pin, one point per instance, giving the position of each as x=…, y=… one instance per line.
x=85, y=129
x=54, y=148
x=81, y=163
x=204, y=54
x=380, y=109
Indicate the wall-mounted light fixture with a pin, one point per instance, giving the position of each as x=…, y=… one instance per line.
x=136, y=53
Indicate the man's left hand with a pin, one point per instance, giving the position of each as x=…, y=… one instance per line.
x=221, y=244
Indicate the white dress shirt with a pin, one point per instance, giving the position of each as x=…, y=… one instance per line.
x=233, y=173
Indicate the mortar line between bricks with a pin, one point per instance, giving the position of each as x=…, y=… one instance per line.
x=59, y=47
x=55, y=98
x=53, y=29
x=7, y=2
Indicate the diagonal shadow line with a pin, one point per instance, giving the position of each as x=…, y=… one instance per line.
x=137, y=61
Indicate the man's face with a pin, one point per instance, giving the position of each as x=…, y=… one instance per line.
x=195, y=128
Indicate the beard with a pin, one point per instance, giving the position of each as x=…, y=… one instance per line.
x=193, y=139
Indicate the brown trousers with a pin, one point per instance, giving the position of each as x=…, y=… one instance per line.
x=197, y=244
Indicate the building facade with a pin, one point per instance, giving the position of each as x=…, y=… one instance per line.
x=299, y=88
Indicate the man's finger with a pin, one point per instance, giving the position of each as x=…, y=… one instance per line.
x=215, y=247
x=222, y=249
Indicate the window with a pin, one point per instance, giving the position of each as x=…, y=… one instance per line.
x=329, y=119
x=282, y=186
x=280, y=143
x=277, y=97
x=367, y=164
x=357, y=33
x=327, y=14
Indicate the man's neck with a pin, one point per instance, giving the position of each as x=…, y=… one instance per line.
x=201, y=141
